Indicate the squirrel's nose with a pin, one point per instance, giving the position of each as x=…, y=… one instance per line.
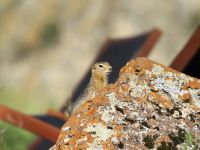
x=110, y=68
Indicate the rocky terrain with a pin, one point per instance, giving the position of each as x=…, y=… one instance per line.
x=149, y=107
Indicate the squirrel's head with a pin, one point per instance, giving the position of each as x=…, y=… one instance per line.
x=103, y=68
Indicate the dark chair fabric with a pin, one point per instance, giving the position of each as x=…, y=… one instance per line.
x=193, y=67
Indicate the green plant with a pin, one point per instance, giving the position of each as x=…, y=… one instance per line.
x=3, y=145
x=189, y=141
x=13, y=138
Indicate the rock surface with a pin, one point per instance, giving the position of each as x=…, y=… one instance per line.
x=149, y=107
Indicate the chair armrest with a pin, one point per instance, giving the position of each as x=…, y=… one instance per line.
x=29, y=123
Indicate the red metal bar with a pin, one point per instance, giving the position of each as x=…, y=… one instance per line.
x=153, y=37
x=188, y=52
x=149, y=44
x=29, y=123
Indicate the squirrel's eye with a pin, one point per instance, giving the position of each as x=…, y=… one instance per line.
x=100, y=66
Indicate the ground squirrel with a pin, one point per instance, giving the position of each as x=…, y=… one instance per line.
x=98, y=79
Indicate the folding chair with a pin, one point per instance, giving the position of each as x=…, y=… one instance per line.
x=117, y=52
x=188, y=60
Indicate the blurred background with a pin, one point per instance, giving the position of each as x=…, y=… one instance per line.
x=46, y=46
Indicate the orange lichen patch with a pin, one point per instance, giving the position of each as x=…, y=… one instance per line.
x=124, y=88
x=163, y=100
x=118, y=128
x=152, y=123
x=194, y=84
x=108, y=145
x=107, y=89
x=136, y=66
x=149, y=107
x=195, y=109
x=186, y=97
x=163, y=138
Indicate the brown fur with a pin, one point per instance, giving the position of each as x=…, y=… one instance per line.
x=99, y=79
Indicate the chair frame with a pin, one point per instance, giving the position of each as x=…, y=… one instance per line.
x=188, y=52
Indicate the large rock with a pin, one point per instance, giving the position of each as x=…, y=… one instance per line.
x=150, y=106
